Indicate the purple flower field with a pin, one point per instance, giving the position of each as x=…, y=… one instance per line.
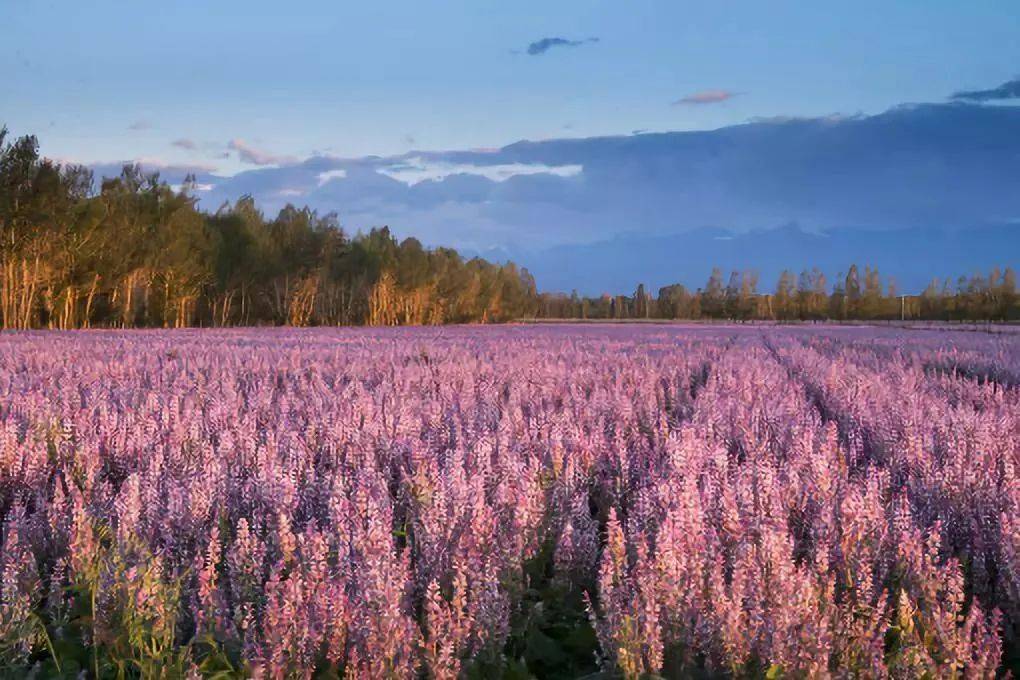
x=510, y=502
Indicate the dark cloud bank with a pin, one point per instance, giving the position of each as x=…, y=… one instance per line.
x=1008, y=90
x=918, y=190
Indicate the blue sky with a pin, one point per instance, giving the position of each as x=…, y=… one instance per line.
x=108, y=81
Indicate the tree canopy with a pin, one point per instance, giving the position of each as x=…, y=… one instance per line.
x=137, y=252
x=804, y=298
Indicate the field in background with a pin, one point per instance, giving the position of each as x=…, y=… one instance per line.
x=554, y=501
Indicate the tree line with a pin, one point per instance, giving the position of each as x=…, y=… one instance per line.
x=855, y=295
x=136, y=252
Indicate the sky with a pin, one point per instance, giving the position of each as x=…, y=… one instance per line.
x=227, y=85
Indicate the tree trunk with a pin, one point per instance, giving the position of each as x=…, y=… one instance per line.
x=87, y=321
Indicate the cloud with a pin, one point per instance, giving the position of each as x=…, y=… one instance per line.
x=1008, y=90
x=545, y=44
x=783, y=119
x=706, y=97
x=151, y=163
x=198, y=186
x=208, y=149
x=417, y=170
x=329, y=175
x=170, y=172
x=249, y=154
x=140, y=125
x=816, y=172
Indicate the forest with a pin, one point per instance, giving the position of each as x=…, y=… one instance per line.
x=856, y=296
x=132, y=251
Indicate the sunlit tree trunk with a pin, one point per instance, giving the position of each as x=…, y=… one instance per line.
x=87, y=320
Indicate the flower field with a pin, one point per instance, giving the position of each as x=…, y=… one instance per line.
x=510, y=502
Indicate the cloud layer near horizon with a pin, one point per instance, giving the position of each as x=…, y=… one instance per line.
x=1008, y=90
x=944, y=166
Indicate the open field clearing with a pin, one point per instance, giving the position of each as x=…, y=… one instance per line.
x=549, y=501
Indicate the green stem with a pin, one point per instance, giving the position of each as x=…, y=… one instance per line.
x=49, y=641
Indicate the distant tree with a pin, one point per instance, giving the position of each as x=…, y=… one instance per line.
x=811, y=294
x=785, y=304
x=676, y=302
x=748, y=307
x=1008, y=299
x=732, y=294
x=852, y=290
x=641, y=303
x=932, y=303
x=838, y=305
x=578, y=308
x=713, y=296
x=871, y=303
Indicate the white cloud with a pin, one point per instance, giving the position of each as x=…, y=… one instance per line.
x=291, y=192
x=416, y=170
x=197, y=187
x=329, y=175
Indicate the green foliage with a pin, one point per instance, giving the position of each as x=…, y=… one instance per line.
x=118, y=619
x=550, y=633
